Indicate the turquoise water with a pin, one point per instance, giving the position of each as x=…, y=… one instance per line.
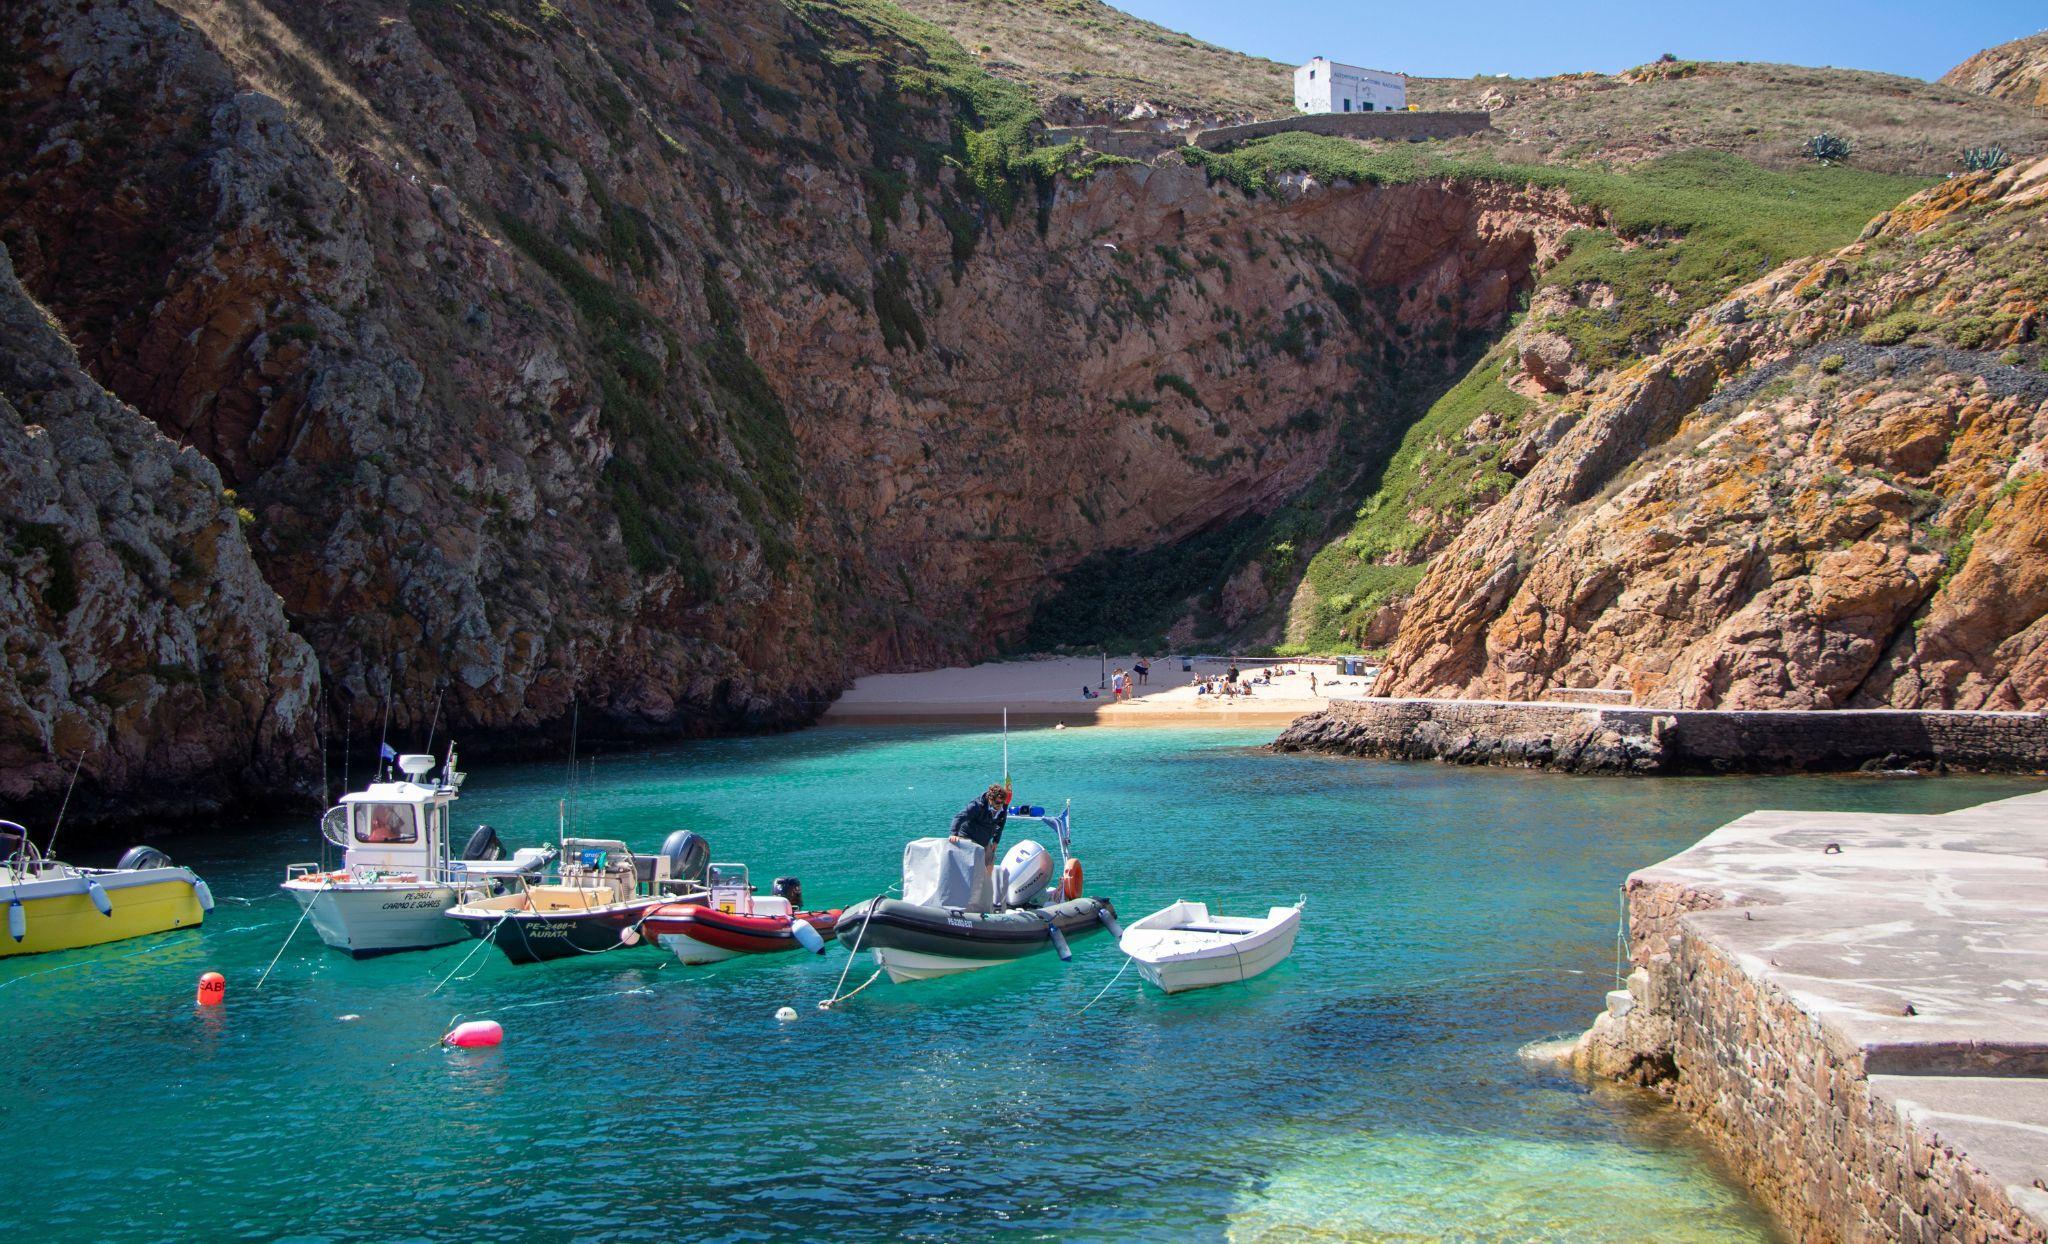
x=1367, y=1089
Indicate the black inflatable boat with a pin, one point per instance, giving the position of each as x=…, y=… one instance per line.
x=914, y=942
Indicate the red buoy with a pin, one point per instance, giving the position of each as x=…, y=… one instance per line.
x=213, y=989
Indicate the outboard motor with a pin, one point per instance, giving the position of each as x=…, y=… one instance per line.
x=139, y=858
x=688, y=856
x=792, y=889
x=1026, y=871
x=484, y=846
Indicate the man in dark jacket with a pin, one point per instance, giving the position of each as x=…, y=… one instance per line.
x=981, y=822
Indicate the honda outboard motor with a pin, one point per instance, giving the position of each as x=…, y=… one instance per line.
x=688, y=856
x=791, y=889
x=484, y=845
x=143, y=857
x=1026, y=871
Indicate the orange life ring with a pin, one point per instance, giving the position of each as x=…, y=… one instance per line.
x=1070, y=880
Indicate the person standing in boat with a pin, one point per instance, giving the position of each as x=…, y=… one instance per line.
x=981, y=823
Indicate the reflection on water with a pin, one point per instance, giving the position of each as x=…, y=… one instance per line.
x=1366, y=1089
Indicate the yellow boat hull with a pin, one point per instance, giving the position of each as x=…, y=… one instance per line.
x=70, y=921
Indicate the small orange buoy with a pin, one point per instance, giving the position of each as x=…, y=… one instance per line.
x=1070, y=880
x=213, y=989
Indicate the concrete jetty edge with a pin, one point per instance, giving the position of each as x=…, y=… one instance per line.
x=1853, y=1008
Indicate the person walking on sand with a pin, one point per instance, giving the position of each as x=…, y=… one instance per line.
x=1144, y=670
x=1312, y=684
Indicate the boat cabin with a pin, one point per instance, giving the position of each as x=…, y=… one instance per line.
x=394, y=826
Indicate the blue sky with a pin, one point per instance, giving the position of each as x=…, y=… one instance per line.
x=1455, y=38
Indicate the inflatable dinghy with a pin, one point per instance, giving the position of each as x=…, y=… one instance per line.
x=957, y=915
x=731, y=920
x=913, y=941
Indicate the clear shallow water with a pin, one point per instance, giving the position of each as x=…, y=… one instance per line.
x=1367, y=1089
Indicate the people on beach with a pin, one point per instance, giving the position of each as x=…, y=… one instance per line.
x=1088, y=692
x=1230, y=675
x=1143, y=669
x=1312, y=683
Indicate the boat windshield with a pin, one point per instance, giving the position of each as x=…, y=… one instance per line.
x=387, y=822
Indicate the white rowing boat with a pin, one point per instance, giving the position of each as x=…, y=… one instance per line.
x=1182, y=947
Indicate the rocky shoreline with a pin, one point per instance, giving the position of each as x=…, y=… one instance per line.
x=1578, y=738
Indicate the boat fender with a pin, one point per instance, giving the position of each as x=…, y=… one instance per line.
x=138, y=858
x=1109, y=922
x=1070, y=880
x=205, y=895
x=629, y=936
x=807, y=937
x=98, y=895
x=784, y=1014
x=476, y=1034
x=1059, y=942
x=17, y=921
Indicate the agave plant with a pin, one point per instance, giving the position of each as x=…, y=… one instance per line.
x=1827, y=148
x=1985, y=159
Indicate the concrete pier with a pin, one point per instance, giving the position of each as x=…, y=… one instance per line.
x=1854, y=1007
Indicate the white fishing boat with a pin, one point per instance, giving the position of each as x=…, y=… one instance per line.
x=399, y=874
x=52, y=905
x=1182, y=947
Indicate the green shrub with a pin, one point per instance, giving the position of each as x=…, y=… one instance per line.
x=1826, y=148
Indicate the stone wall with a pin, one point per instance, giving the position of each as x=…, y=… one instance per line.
x=1588, y=739
x=1833, y=1153
x=1131, y=144
x=1392, y=126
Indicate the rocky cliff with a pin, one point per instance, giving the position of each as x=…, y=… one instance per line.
x=141, y=641
x=1828, y=491
x=2017, y=71
x=679, y=364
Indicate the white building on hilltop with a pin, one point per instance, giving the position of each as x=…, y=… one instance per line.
x=1323, y=85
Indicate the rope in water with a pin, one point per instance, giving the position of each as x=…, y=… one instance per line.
x=1128, y=961
x=853, y=954
x=288, y=938
x=481, y=942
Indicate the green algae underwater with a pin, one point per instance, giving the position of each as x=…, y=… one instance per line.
x=1367, y=1089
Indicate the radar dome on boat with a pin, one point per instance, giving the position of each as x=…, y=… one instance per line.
x=416, y=765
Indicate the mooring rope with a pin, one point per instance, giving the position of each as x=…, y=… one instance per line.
x=1128, y=961
x=853, y=954
x=324, y=887
x=1620, y=930
x=481, y=942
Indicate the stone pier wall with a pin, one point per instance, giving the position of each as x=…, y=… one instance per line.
x=1584, y=738
x=1392, y=126
x=1849, y=1006
x=1789, y=1104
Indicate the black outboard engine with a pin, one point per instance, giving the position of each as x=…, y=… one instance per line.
x=791, y=889
x=484, y=846
x=688, y=856
x=139, y=858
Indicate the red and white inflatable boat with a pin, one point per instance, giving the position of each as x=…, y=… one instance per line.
x=734, y=921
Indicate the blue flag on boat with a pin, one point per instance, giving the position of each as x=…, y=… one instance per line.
x=386, y=752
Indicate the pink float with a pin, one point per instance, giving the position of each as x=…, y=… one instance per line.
x=475, y=1034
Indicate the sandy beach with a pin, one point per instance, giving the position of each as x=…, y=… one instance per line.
x=1043, y=689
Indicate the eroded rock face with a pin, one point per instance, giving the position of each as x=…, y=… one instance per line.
x=140, y=638
x=2017, y=71
x=1772, y=513
x=658, y=363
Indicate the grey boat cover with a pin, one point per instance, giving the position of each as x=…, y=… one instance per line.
x=938, y=872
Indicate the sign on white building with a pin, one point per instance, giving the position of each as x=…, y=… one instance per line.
x=1323, y=85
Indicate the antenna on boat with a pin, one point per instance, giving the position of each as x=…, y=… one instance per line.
x=58, y=827
x=384, y=732
x=1006, y=745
